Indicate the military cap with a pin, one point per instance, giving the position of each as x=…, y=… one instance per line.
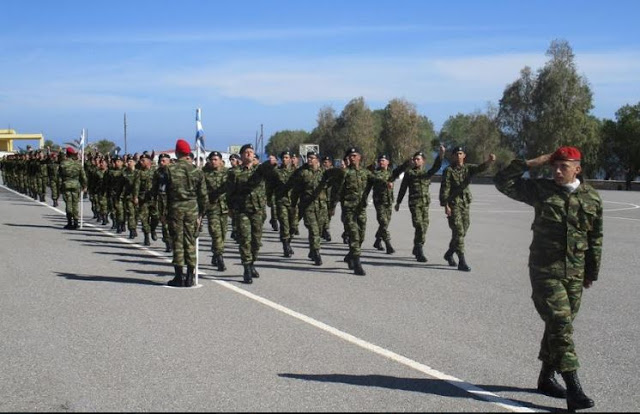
x=245, y=147
x=145, y=156
x=182, y=147
x=419, y=154
x=164, y=155
x=71, y=151
x=352, y=150
x=214, y=154
x=117, y=158
x=566, y=154
x=234, y=157
x=285, y=152
x=383, y=157
x=457, y=149
x=312, y=154
x=326, y=158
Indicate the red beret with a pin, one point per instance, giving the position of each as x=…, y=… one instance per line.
x=566, y=154
x=71, y=151
x=183, y=147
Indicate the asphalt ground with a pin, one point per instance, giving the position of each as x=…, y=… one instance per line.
x=88, y=325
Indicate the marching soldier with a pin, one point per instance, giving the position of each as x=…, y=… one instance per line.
x=71, y=180
x=247, y=206
x=159, y=195
x=234, y=160
x=564, y=258
x=417, y=181
x=115, y=183
x=129, y=175
x=284, y=207
x=187, y=196
x=53, y=167
x=142, y=201
x=101, y=190
x=215, y=176
x=455, y=197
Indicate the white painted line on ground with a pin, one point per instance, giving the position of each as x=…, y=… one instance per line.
x=456, y=382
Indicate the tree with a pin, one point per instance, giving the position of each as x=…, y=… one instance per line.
x=286, y=140
x=400, y=130
x=355, y=127
x=51, y=145
x=103, y=146
x=626, y=137
x=323, y=133
x=538, y=114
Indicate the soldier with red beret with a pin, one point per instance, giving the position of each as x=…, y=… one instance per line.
x=564, y=258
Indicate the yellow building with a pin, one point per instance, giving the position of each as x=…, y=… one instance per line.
x=7, y=136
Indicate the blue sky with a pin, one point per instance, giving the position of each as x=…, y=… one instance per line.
x=69, y=65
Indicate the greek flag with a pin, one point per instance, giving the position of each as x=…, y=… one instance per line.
x=81, y=142
x=199, y=133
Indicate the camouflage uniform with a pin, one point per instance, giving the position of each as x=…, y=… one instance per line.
x=52, y=173
x=101, y=194
x=130, y=210
x=566, y=249
x=308, y=190
x=159, y=195
x=146, y=209
x=115, y=184
x=71, y=180
x=417, y=181
x=217, y=211
x=454, y=192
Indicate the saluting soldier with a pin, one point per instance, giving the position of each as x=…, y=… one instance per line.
x=417, y=180
x=215, y=176
x=564, y=258
x=455, y=197
x=71, y=180
x=247, y=205
x=187, y=196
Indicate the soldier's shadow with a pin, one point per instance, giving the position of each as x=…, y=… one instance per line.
x=421, y=385
x=35, y=226
x=111, y=279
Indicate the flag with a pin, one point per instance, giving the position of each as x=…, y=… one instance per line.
x=199, y=134
x=81, y=142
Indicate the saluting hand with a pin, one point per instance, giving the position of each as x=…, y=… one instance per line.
x=442, y=150
x=492, y=158
x=538, y=161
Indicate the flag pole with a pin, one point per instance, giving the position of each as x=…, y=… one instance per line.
x=82, y=189
x=198, y=223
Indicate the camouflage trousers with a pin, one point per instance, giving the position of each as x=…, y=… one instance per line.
x=71, y=199
x=162, y=211
x=217, y=221
x=557, y=301
x=130, y=212
x=41, y=186
x=459, y=224
x=117, y=209
x=314, y=219
x=355, y=225
x=383, y=216
x=148, y=214
x=101, y=203
x=286, y=219
x=420, y=221
x=183, y=226
x=249, y=234
x=55, y=194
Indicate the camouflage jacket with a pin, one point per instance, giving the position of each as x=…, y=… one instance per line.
x=417, y=181
x=283, y=184
x=245, y=187
x=454, y=187
x=353, y=186
x=567, y=227
x=185, y=182
x=71, y=176
x=216, y=181
x=115, y=182
x=142, y=184
x=129, y=177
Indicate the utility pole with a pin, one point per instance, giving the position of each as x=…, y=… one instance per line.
x=125, y=133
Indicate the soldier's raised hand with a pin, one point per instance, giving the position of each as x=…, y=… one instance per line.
x=492, y=158
x=442, y=150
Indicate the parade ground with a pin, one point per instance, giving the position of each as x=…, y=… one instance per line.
x=88, y=323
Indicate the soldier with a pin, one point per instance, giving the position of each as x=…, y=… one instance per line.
x=42, y=176
x=247, y=205
x=142, y=201
x=115, y=184
x=234, y=160
x=417, y=180
x=455, y=197
x=52, y=173
x=564, y=258
x=187, y=197
x=383, y=200
x=283, y=201
x=308, y=191
x=129, y=175
x=215, y=176
x=101, y=190
x=327, y=165
x=159, y=196
x=71, y=180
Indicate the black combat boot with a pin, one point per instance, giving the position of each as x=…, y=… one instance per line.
x=135, y=233
x=349, y=261
x=390, y=249
x=55, y=203
x=69, y=225
x=75, y=224
x=190, y=279
x=420, y=254
x=462, y=265
x=285, y=248
x=448, y=256
x=274, y=224
x=119, y=228
x=289, y=247
x=154, y=235
x=114, y=223
x=167, y=247
x=345, y=238
x=547, y=383
x=576, y=398
x=247, y=276
x=254, y=272
x=214, y=259
x=378, y=244
x=357, y=266
x=233, y=234
x=105, y=220
x=42, y=198
x=415, y=250
x=147, y=242
x=131, y=236
x=178, y=280
x=221, y=266
x=317, y=260
x=326, y=235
